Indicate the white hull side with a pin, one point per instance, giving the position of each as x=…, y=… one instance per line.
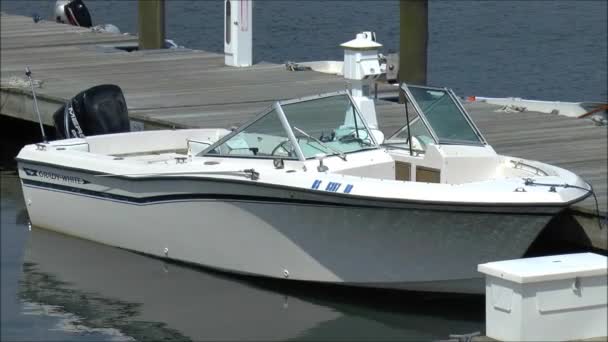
x=127, y=290
x=107, y=285
x=425, y=250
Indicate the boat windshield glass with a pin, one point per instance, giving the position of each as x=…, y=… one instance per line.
x=328, y=125
x=265, y=137
x=419, y=134
x=444, y=115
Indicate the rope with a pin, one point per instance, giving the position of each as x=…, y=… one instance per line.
x=18, y=82
x=511, y=109
x=293, y=66
x=531, y=182
x=596, y=110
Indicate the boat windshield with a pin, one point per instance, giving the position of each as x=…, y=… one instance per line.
x=328, y=125
x=416, y=130
x=438, y=115
x=265, y=137
x=300, y=129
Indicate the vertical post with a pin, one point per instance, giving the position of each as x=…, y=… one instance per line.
x=151, y=23
x=413, y=41
x=238, y=32
x=361, y=68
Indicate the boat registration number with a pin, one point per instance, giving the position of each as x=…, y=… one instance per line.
x=331, y=186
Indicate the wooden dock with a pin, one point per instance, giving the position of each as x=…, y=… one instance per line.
x=190, y=88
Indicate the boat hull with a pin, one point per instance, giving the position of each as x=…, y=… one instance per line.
x=110, y=287
x=282, y=233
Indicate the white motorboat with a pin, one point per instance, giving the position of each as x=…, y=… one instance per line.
x=306, y=191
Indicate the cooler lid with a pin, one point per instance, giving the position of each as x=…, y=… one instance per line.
x=531, y=270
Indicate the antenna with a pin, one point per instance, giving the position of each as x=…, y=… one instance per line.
x=28, y=73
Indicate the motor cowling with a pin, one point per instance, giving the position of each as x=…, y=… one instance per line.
x=73, y=12
x=98, y=110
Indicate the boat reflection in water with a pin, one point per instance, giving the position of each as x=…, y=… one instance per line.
x=137, y=297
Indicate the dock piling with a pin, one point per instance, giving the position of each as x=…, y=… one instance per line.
x=413, y=38
x=151, y=24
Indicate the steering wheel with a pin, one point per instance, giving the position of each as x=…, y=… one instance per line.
x=283, y=145
x=352, y=136
x=290, y=151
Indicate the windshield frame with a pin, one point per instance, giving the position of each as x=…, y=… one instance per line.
x=394, y=140
x=278, y=108
x=422, y=115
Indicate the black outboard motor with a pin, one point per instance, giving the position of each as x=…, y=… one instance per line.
x=98, y=110
x=73, y=12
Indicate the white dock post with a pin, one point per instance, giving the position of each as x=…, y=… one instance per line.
x=238, y=32
x=361, y=68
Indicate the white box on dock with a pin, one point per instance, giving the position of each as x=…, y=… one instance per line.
x=554, y=298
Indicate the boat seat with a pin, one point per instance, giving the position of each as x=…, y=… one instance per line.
x=378, y=135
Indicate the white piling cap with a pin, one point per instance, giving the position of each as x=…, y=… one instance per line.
x=362, y=42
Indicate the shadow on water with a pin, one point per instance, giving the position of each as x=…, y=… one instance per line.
x=563, y=235
x=14, y=134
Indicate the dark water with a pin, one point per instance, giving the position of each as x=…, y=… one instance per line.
x=55, y=287
x=550, y=50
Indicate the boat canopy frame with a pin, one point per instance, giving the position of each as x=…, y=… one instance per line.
x=481, y=141
x=277, y=106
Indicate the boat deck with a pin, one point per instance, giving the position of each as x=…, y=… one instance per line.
x=573, y=144
x=189, y=88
